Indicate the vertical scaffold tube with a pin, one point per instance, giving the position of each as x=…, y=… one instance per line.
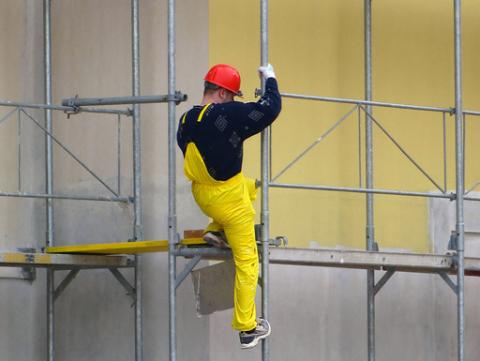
x=47, y=43
x=369, y=181
x=137, y=179
x=172, y=212
x=459, y=159
x=265, y=155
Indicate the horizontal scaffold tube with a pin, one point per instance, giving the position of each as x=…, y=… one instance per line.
x=450, y=196
x=78, y=102
x=377, y=104
x=204, y=252
x=8, y=103
x=65, y=196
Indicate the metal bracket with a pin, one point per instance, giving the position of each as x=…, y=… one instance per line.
x=258, y=233
x=453, y=241
x=64, y=284
x=280, y=241
x=383, y=280
x=276, y=242
x=28, y=273
x=449, y=281
x=186, y=271
x=131, y=291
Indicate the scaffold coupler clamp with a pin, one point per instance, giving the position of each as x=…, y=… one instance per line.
x=178, y=97
x=279, y=241
x=74, y=109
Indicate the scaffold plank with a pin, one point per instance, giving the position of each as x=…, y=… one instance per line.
x=408, y=262
x=20, y=259
x=121, y=247
x=111, y=248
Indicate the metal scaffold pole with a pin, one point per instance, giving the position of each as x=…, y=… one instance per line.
x=265, y=167
x=459, y=158
x=137, y=173
x=47, y=43
x=172, y=212
x=369, y=181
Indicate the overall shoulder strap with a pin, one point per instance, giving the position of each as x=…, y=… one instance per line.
x=200, y=116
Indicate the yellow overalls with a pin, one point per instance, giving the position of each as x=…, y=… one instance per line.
x=229, y=204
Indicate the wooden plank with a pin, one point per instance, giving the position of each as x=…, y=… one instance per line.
x=193, y=233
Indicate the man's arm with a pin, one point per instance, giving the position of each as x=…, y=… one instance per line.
x=252, y=118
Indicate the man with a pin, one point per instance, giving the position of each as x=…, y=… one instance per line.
x=211, y=137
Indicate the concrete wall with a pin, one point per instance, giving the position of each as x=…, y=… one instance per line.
x=22, y=304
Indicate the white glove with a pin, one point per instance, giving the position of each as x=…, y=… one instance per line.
x=266, y=71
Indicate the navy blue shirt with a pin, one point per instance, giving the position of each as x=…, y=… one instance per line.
x=220, y=134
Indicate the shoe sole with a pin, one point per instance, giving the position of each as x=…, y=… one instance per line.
x=255, y=341
x=213, y=242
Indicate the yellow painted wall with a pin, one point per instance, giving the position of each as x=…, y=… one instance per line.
x=316, y=48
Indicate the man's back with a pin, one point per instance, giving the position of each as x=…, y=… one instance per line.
x=219, y=130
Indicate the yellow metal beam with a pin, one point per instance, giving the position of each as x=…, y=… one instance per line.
x=122, y=247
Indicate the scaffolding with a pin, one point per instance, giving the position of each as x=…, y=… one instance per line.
x=370, y=260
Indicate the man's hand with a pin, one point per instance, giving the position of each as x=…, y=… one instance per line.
x=266, y=71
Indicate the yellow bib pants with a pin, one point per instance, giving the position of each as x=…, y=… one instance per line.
x=229, y=204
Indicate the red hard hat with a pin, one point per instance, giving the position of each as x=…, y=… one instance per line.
x=225, y=76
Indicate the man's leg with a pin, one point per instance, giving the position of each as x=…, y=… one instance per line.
x=241, y=237
x=234, y=211
x=245, y=255
x=213, y=226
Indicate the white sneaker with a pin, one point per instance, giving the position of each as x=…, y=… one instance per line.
x=250, y=339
